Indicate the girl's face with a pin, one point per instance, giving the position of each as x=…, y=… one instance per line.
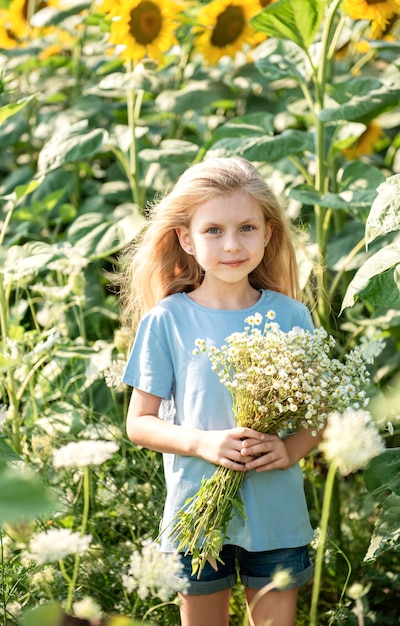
x=227, y=236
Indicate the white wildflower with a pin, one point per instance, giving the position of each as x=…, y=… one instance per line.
x=372, y=346
x=57, y=543
x=154, y=573
x=113, y=374
x=82, y=453
x=282, y=579
x=87, y=608
x=351, y=439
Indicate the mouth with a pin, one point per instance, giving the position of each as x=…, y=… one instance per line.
x=236, y=263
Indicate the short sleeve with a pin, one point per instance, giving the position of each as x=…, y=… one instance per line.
x=149, y=365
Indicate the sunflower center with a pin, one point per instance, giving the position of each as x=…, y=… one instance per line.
x=372, y=2
x=228, y=27
x=145, y=22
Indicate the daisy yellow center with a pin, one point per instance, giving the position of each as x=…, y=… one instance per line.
x=145, y=22
x=229, y=26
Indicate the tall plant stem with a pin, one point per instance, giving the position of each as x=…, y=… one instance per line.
x=134, y=103
x=323, y=215
x=85, y=517
x=323, y=531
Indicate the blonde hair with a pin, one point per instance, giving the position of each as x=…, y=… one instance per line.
x=156, y=266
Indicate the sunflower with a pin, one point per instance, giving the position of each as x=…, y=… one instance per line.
x=144, y=28
x=378, y=12
x=223, y=28
x=15, y=29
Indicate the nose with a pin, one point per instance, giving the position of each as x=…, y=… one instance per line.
x=232, y=242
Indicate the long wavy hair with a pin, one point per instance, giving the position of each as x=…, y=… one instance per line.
x=156, y=266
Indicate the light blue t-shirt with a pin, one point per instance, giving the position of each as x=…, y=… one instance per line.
x=162, y=363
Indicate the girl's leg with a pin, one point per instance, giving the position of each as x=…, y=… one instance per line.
x=211, y=609
x=275, y=608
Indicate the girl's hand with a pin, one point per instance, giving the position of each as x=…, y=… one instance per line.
x=269, y=454
x=224, y=447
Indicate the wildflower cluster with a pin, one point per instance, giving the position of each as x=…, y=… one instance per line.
x=287, y=380
x=154, y=573
x=279, y=382
x=57, y=543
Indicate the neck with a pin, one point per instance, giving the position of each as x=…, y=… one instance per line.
x=227, y=297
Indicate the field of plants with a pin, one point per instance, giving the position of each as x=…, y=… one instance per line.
x=102, y=106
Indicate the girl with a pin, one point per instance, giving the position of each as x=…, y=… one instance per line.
x=217, y=249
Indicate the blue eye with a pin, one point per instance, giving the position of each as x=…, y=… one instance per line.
x=213, y=230
x=248, y=228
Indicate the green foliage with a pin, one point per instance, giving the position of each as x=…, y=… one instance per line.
x=87, y=142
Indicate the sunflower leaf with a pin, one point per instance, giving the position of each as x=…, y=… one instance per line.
x=377, y=281
x=296, y=20
x=360, y=99
x=384, y=216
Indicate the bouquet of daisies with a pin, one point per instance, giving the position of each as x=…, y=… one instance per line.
x=278, y=381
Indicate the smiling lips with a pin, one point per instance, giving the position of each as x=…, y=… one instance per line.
x=236, y=263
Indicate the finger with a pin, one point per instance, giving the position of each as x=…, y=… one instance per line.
x=264, y=462
x=248, y=433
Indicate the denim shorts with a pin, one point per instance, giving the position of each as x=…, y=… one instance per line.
x=256, y=569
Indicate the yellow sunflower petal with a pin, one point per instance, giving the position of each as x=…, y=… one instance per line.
x=377, y=11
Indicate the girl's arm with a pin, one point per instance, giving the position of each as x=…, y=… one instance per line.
x=277, y=453
x=221, y=447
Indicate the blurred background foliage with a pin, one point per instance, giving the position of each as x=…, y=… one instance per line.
x=102, y=106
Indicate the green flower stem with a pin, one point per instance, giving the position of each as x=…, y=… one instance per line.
x=257, y=597
x=326, y=505
x=11, y=387
x=339, y=274
x=3, y=585
x=134, y=103
x=85, y=516
x=200, y=529
x=322, y=215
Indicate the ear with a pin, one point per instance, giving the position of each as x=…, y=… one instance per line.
x=184, y=239
x=268, y=233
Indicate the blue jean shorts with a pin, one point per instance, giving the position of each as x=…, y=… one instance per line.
x=256, y=569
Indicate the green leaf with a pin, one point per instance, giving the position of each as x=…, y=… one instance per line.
x=195, y=96
x=386, y=535
x=11, y=109
x=251, y=125
x=171, y=150
x=22, y=496
x=384, y=216
x=96, y=237
x=296, y=20
x=359, y=175
x=383, y=260
x=70, y=145
x=383, y=472
x=360, y=99
x=283, y=60
x=383, y=290
x=6, y=452
x=268, y=149
x=347, y=200
x=46, y=615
